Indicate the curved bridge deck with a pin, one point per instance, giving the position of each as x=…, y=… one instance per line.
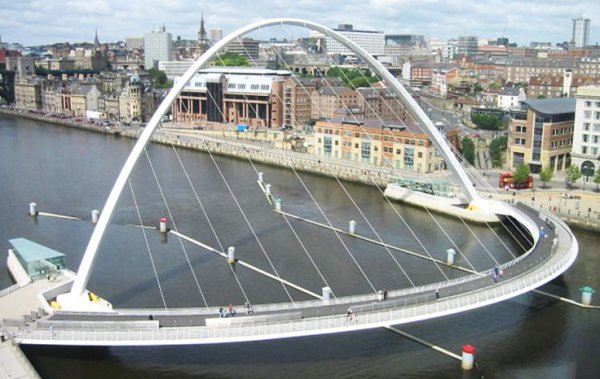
x=549, y=257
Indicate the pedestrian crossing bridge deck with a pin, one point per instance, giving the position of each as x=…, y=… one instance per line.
x=549, y=257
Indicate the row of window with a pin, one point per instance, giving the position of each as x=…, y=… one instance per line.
x=253, y=87
x=588, y=115
x=348, y=133
x=593, y=150
x=588, y=104
x=588, y=138
x=587, y=126
x=562, y=142
x=327, y=144
x=560, y=131
x=521, y=129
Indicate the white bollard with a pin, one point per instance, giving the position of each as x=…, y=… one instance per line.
x=326, y=294
x=33, y=209
x=260, y=177
x=468, y=356
x=231, y=255
x=278, y=204
x=450, y=259
x=352, y=227
x=95, y=215
x=163, y=225
x=586, y=295
x=268, y=189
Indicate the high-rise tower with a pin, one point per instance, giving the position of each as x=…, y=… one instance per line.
x=581, y=32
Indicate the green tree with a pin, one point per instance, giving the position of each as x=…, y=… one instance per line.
x=540, y=97
x=231, y=59
x=546, y=175
x=521, y=174
x=597, y=179
x=158, y=76
x=497, y=147
x=573, y=175
x=352, y=78
x=468, y=150
x=486, y=121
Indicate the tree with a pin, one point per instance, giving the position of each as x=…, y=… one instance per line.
x=522, y=174
x=231, y=59
x=597, y=179
x=573, y=174
x=540, y=97
x=497, y=147
x=486, y=121
x=158, y=76
x=468, y=150
x=546, y=175
x=352, y=78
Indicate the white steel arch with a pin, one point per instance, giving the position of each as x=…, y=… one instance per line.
x=72, y=299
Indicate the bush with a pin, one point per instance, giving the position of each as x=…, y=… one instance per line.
x=468, y=150
x=486, y=121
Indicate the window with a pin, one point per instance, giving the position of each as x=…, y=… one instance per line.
x=521, y=129
x=587, y=114
x=254, y=87
x=420, y=154
x=586, y=126
x=519, y=141
x=409, y=158
x=356, y=135
x=365, y=151
x=398, y=151
x=597, y=127
x=583, y=149
x=327, y=146
x=594, y=151
x=597, y=115
x=595, y=139
x=588, y=103
x=584, y=137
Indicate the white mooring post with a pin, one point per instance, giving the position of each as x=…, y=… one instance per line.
x=352, y=227
x=468, y=356
x=278, y=204
x=95, y=215
x=33, y=209
x=326, y=294
x=268, y=189
x=260, y=177
x=163, y=225
x=451, y=253
x=231, y=255
x=586, y=295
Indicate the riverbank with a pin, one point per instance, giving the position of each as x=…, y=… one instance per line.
x=581, y=209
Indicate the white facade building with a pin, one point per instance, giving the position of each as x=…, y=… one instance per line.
x=511, y=97
x=215, y=35
x=586, y=135
x=581, y=32
x=372, y=41
x=158, y=46
x=175, y=69
x=444, y=49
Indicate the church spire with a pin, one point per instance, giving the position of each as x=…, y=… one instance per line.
x=202, y=38
x=96, y=40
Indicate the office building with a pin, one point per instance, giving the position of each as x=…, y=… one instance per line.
x=581, y=32
x=586, y=136
x=158, y=46
x=372, y=41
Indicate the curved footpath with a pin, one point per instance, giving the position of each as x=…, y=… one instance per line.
x=550, y=256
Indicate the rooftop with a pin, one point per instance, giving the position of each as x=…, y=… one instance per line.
x=31, y=251
x=552, y=106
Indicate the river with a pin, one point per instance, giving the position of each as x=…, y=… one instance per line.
x=69, y=171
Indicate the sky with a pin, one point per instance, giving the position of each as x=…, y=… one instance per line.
x=37, y=22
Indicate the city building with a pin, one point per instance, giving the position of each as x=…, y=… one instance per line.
x=381, y=143
x=215, y=35
x=510, y=97
x=330, y=99
x=372, y=41
x=404, y=40
x=467, y=45
x=586, y=136
x=246, y=47
x=297, y=99
x=233, y=95
x=443, y=50
x=581, y=32
x=158, y=46
x=28, y=93
x=441, y=75
x=23, y=66
x=173, y=69
x=541, y=134
x=564, y=85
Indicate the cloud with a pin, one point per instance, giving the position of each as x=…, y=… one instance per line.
x=48, y=21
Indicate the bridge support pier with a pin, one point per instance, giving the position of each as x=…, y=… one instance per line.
x=33, y=209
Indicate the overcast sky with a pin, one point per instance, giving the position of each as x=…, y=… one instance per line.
x=35, y=22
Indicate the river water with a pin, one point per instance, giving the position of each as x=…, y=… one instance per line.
x=70, y=172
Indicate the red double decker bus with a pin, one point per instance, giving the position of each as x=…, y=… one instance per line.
x=506, y=181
